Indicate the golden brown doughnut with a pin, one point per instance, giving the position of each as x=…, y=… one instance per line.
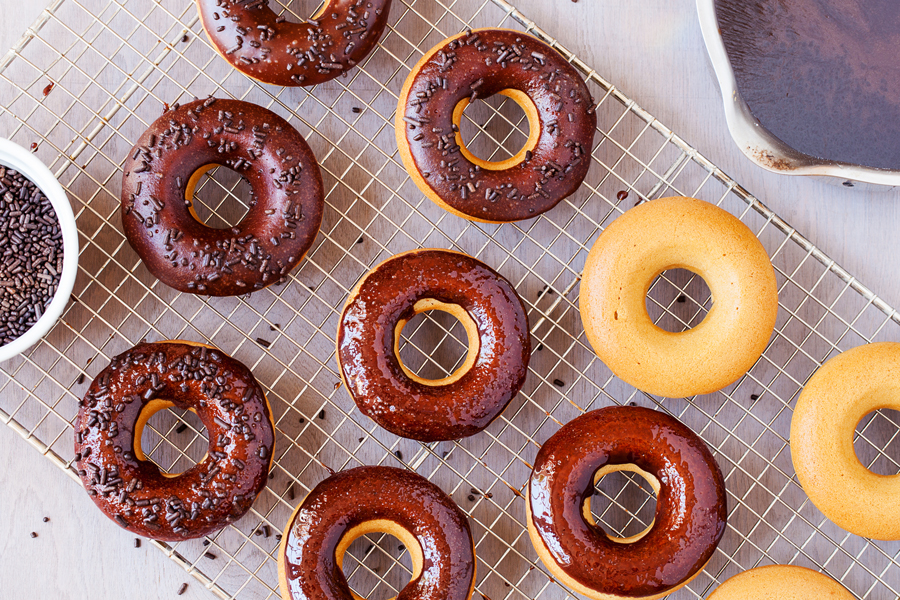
x=843, y=391
x=286, y=200
x=377, y=499
x=691, y=509
x=262, y=45
x=368, y=345
x=134, y=492
x=781, y=582
x=684, y=233
x=478, y=64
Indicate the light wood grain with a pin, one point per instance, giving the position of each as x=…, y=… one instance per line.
x=653, y=50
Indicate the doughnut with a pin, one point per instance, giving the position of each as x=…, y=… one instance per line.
x=368, y=345
x=266, y=47
x=838, y=395
x=678, y=233
x=782, y=582
x=690, y=504
x=131, y=490
x=478, y=64
x=377, y=499
x=286, y=203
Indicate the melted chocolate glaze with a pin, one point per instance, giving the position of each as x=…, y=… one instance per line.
x=259, y=43
x=352, y=497
x=690, y=508
x=821, y=75
x=209, y=495
x=372, y=370
x=285, y=208
x=479, y=64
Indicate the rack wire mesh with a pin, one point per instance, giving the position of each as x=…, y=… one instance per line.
x=91, y=75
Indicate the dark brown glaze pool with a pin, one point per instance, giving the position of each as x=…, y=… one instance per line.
x=823, y=76
x=690, y=506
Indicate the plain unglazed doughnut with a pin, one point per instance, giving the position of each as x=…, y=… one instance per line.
x=690, y=516
x=476, y=393
x=131, y=490
x=477, y=64
x=843, y=391
x=673, y=233
x=781, y=582
x=377, y=499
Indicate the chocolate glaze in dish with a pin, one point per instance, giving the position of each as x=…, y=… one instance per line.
x=339, y=508
x=165, y=165
x=690, y=505
x=479, y=64
x=262, y=45
x=469, y=400
x=820, y=75
x=133, y=491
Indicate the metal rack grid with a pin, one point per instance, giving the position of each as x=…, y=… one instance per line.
x=114, y=64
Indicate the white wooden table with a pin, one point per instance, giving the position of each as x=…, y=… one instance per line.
x=654, y=52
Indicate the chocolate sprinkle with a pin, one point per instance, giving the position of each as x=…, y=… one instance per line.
x=182, y=589
x=31, y=254
x=558, y=383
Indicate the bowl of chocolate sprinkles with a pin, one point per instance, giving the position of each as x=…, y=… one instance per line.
x=38, y=250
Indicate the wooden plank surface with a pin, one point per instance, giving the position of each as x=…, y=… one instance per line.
x=653, y=50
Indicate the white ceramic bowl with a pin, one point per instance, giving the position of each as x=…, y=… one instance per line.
x=25, y=162
x=762, y=147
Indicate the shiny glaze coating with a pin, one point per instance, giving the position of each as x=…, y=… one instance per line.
x=262, y=45
x=285, y=208
x=387, y=295
x=479, y=64
x=134, y=492
x=309, y=559
x=690, y=506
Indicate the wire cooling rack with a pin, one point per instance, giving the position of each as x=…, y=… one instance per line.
x=91, y=75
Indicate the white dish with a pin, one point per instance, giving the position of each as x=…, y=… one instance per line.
x=762, y=147
x=18, y=158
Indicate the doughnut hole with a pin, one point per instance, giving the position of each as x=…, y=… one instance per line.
x=877, y=441
x=678, y=300
x=221, y=198
x=623, y=502
x=437, y=345
x=378, y=565
x=495, y=132
x=173, y=439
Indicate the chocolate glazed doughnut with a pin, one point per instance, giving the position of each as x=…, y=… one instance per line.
x=266, y=47
x=366, y=500
x=690, y=504
x=369, y=335
x=478, y=64
x=286, y=201
x=133, y=491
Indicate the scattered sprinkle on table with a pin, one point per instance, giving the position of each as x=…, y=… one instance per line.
x=137, y=542
x=263, y=343
x=322, y=414
x=33, y=534
x=182, y=589
x=558, y=383
x=682, y=298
